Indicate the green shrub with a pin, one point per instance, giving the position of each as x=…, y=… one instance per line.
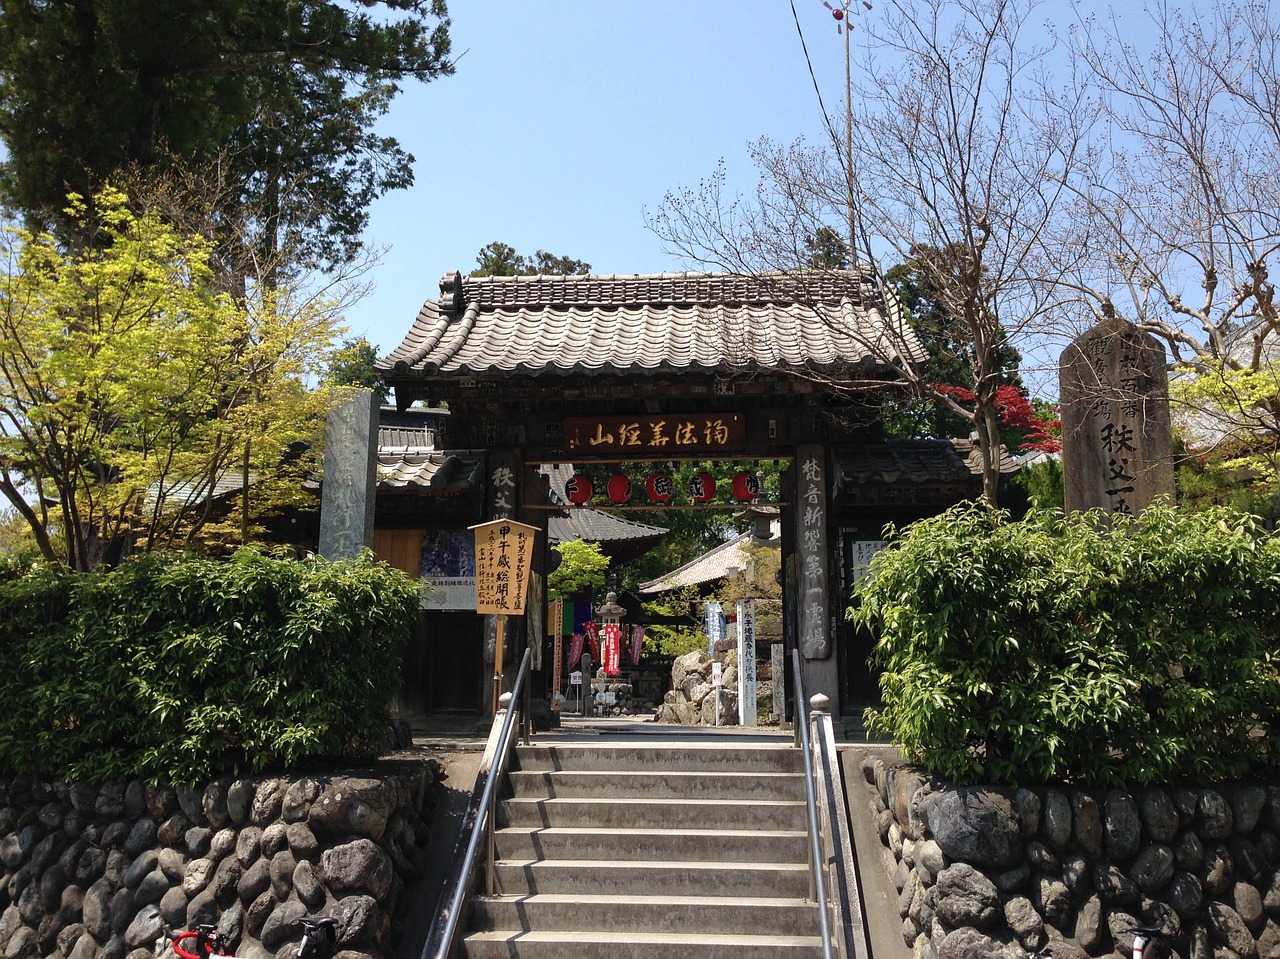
x=1048, y=650
x=181, y=668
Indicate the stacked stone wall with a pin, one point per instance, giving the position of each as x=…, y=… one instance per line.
x=988, y=873
x=98, y=872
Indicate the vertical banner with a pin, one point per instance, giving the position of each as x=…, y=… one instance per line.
x=637, y=644
x=746, y=662
x=592, y=633
x=555, y=617
x=575, y=650
x=612, y=648
x=713, y=626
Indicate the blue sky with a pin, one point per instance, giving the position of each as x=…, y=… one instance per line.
x=567, y=119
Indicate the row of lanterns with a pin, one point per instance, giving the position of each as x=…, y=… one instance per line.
x=660, y=487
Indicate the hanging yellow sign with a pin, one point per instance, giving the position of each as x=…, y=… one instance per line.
x=504, y=550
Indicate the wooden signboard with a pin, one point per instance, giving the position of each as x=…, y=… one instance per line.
x=504, y=551
x=649, y=434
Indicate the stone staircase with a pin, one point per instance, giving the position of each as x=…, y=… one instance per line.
x=647, y=851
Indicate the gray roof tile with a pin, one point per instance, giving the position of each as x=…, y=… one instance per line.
x=663, y=322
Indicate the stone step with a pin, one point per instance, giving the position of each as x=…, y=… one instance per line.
x=693, y=757
x=532, y=812
x=607, y=842
x=690, y=915
x=504, y=944
x=651, y=878
x=660, y=784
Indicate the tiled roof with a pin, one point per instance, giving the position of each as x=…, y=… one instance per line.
x=646, y=324
x=593, y=526
x=713, y=565
x=918, y=462
x=427, y=472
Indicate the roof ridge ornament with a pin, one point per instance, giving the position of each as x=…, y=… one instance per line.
x=451, y=292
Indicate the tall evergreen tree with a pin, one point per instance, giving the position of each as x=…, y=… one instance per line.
x=282, y=94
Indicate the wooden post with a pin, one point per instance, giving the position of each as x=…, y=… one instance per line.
x=497, y=661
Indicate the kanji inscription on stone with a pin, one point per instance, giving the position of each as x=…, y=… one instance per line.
x=1117, y=446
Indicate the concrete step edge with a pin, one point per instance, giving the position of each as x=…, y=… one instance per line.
x=673, y=939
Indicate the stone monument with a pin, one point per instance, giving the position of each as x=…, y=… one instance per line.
x=1117, y=443
x=350, y=477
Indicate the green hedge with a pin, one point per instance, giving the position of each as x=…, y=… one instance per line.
x=180, y=668
x=1046, y=650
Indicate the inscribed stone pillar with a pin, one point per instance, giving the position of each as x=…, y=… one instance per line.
x=1117, y=445
x=813, y=603
x=350, y=477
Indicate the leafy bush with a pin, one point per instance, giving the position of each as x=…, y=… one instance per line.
x=180, y=668
x=1051, y=650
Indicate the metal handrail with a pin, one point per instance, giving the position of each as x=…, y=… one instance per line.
x=478, y=822
x=830, y=841
x=817, y=880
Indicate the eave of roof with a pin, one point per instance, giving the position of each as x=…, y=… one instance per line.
x=648, y=324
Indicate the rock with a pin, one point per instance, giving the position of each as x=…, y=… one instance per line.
x=1247, y=804
x=1028, y=806
x=929, y=861
x=278, y=927
x=275, y=837
x=1231, y=930
x=351, y=805
x=1053, y=900
x=223, y=844
x=1188, y=851
x=1122, y=826
x=1088, y=928
x=96, y=911
x=161, y=801
x=198, y=840
x=213, y=802
x=267, y=802
x=152, y=888
x=970, y=943
x=360, y=922
x=248, y=845
x=1113, y=885
x=359, y=867
x=1025, y=922
x=173, y=908
x=140, y=867
x=1248, y=905
x=302, y=841
x=226, y=879
x=298, y=798
x=1216, y=821
x=1088, y=823
x=239, y=800
x=1159, y=815
x=1218, y=871
x=1250, y=864
x=975, y=825
x=254, y=881
x=145, y=928
x=1153, y=868
x=965, y=897
x=197, y=875
x=202, y=910
x=282, y=868
x=142, y=837
x=307, y=884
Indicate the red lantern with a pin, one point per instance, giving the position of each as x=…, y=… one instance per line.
x=578, y=489
x=746, y=486
x=659, y=487
x=619, y=488
x=702, y=488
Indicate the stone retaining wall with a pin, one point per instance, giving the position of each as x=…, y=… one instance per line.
x=97, y=872
x=985, y=873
